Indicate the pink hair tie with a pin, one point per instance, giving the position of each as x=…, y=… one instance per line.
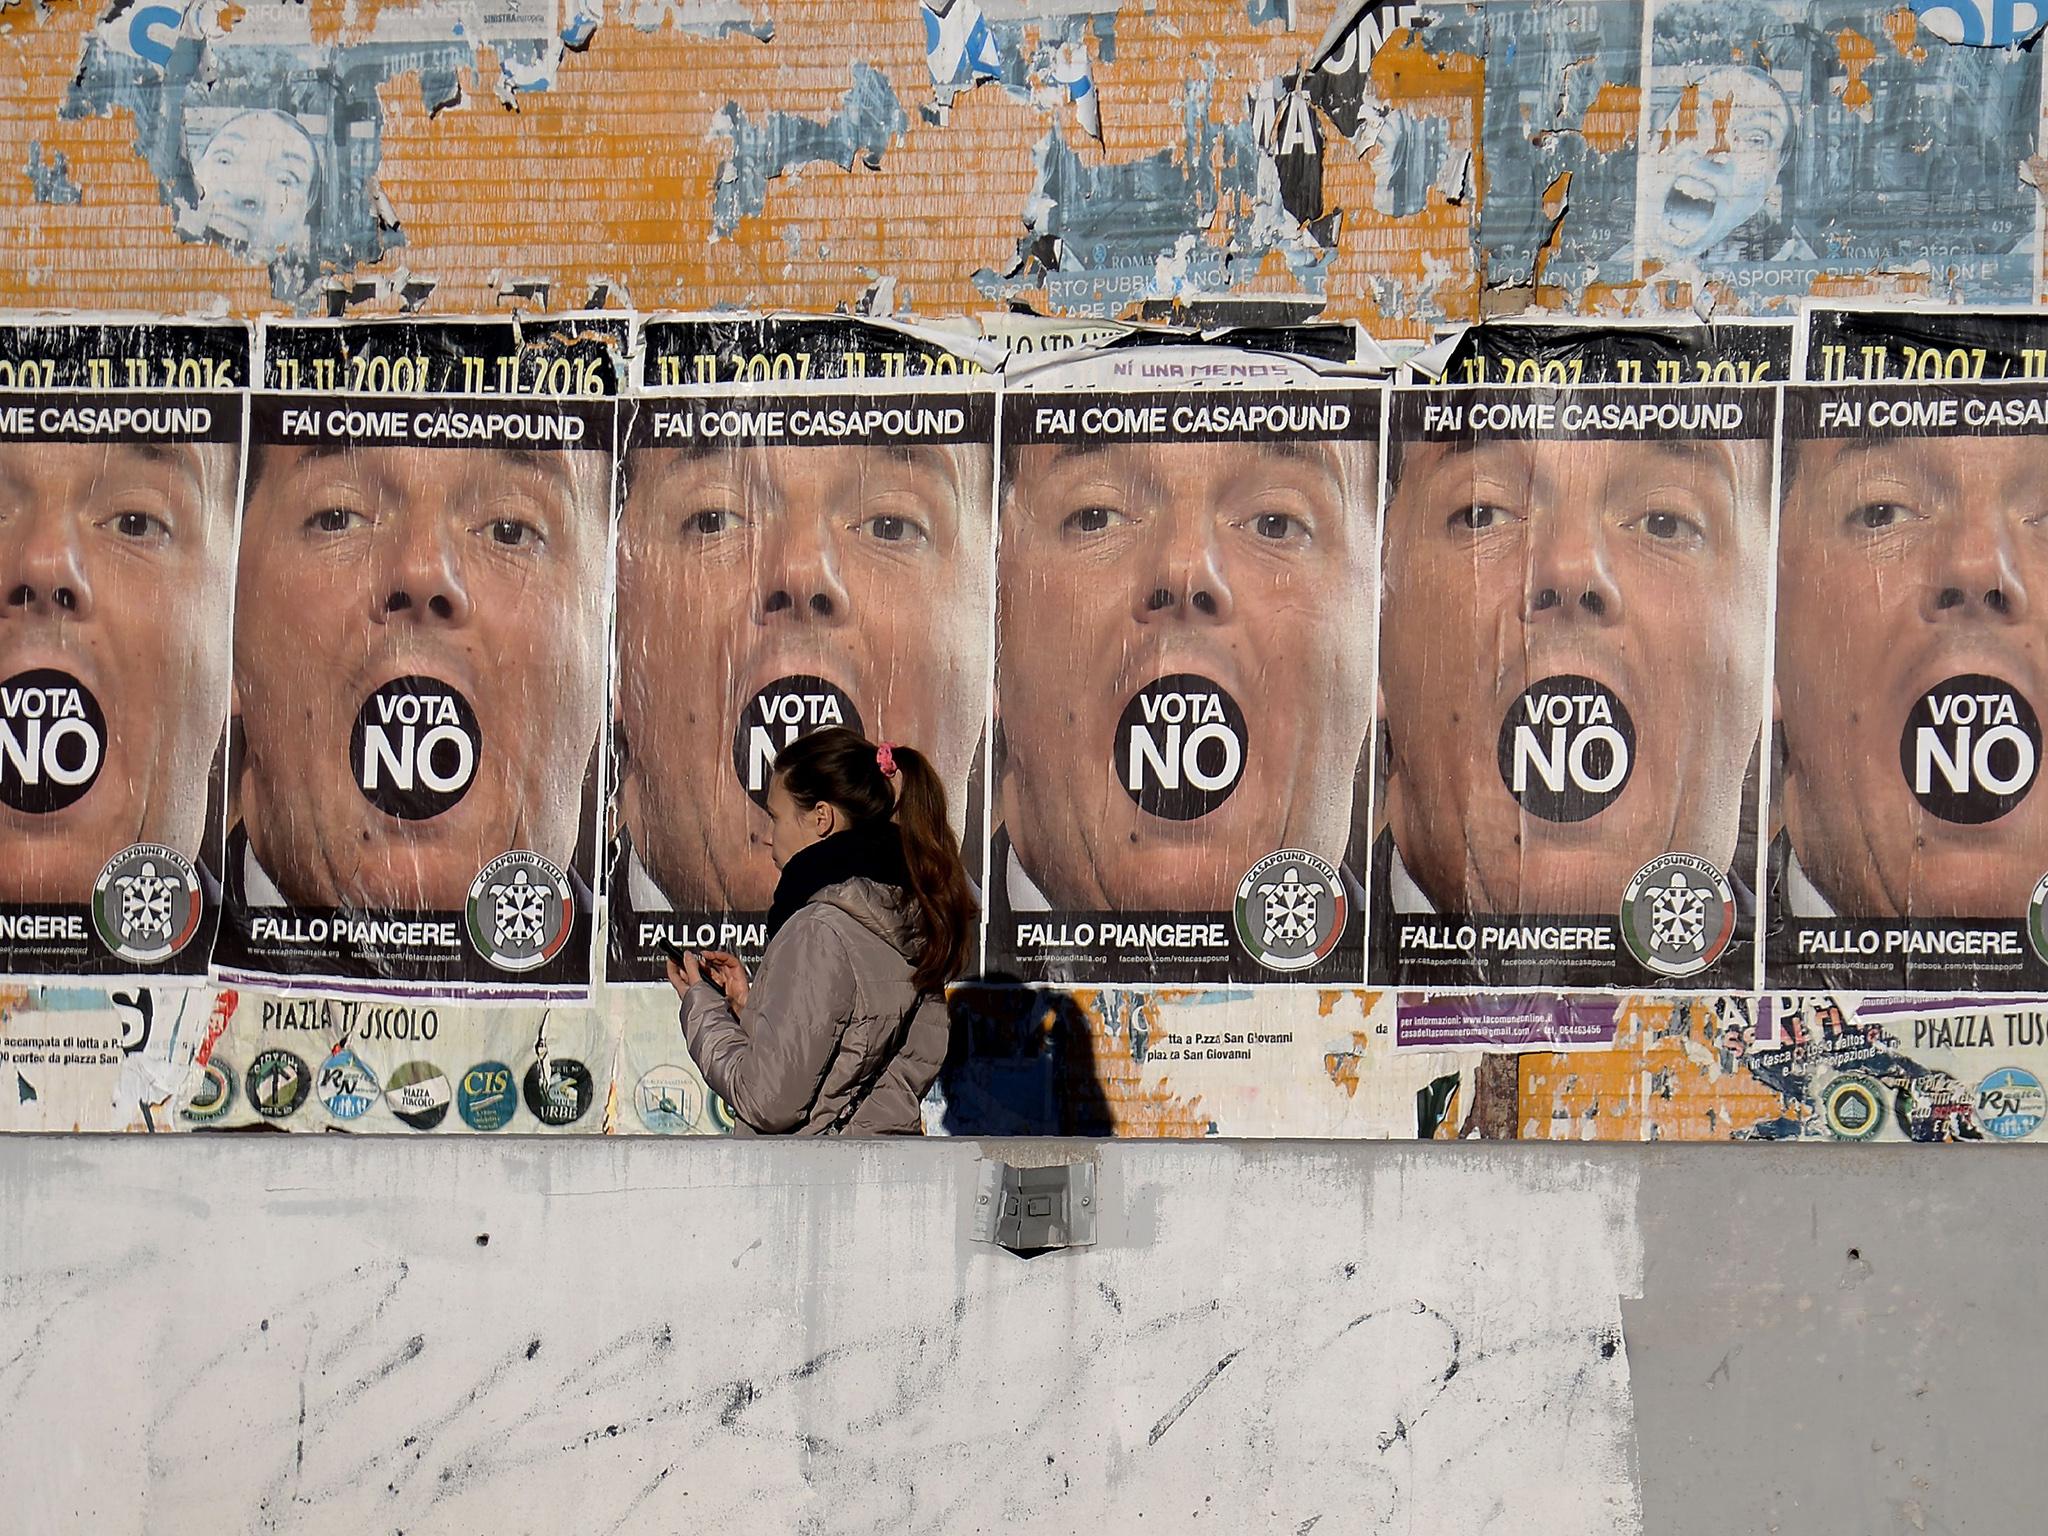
x=885, y=759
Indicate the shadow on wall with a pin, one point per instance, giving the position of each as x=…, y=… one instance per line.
x=1021, y=1063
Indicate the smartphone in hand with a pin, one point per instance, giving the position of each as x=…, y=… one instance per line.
x=680, y=956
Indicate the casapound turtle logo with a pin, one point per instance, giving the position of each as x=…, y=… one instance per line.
x=1290, y=910
x=520, y=911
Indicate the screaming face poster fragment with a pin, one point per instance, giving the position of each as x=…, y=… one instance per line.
x=1183, y=682
x=1912, y=851
x=1785, y=141
x=120, y=453
x=419, y=686
x=265, y=142
x=789, y=561
x=1563, y=97
x=1572, y=675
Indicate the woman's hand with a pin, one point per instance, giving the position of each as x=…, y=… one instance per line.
x=685, y=976
x=729, y=976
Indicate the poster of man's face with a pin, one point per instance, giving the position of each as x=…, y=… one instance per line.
x=1573, y=663
x=767, y=589
x=1184, y=662
x=1912, y=669
x=419, y=665
x=116, y=572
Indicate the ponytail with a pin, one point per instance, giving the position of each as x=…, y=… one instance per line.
x=840, y=767
x=938, y=880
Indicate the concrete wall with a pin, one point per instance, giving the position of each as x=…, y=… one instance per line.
x=300, y=1334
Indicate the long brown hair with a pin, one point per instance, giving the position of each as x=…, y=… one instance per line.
x=841, y=767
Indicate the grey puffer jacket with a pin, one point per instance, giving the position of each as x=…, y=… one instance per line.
x=826, y=1004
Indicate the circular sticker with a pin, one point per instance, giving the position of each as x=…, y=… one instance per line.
x=278, y=1083
x=1180, y=747
x=1678, y=914
x=668, y=1100
x=53, y=741
x=347, y=1086
x=1566, y=748
x=414, y=748
x=487, y=1097
x=558, y=1090
x=720, y=1114
x=214, y=1096
x=2011, y=1103
x=418, y=1093
x=520, y=911
x=1290, y=910
x=1853, y=1108
x=787, y=708
x=146, y=903
x=1971, y=749
x=2037, y=918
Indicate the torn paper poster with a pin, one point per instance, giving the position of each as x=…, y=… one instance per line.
x=1982, y=23
x=868, y=121
x=1408, y=157
x=1562, y=101
x=1788, y=141
x=1100, y=238
x=958, y=47
x=1339, y=76
x=1072, y=69
x=51, y=179
x=273, y=160
x=657, y=1088
x=706, y=18
x=1184, y=1063
x=1557, y=350
x=1043, y=57
x=265, y=142
x=1934, y=1068
x=78, y=1059
x=1289, y=131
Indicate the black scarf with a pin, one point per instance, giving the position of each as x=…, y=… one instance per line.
x=873, y=851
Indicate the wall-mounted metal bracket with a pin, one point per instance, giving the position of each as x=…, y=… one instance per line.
x=1034, y=1210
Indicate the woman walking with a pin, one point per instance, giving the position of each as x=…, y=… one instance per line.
x=845, y=1027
